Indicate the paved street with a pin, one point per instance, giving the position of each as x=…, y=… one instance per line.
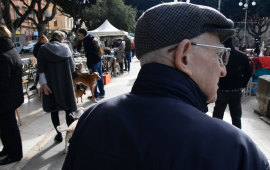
x=41, y=153
x=27, y=55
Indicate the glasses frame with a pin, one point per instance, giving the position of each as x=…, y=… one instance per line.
x=211, y=46
x=223, y=48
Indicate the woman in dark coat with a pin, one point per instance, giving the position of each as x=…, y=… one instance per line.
x=55, y=67
x=11, y=97
x=41, y=41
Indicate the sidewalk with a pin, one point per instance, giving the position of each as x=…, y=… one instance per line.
x=37, y=132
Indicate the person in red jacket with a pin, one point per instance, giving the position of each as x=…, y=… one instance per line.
x=133, y=48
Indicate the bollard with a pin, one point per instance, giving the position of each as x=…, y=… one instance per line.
x=263, y=96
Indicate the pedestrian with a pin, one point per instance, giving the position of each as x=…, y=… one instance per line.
x=41, y=41
x=55, y=66
x=11, y=97
x=240, y=47
x=162, y=122
x=120, y=52
x=94, y=62
x=230, y=86
x=128, y=48
x=67, y=42
x=257, y=48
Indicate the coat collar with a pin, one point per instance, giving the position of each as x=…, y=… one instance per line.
x=160, y=80
x=6, y=44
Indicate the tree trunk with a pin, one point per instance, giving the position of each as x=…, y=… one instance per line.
x=7, y=18
x=1, y=16
x=41, y=29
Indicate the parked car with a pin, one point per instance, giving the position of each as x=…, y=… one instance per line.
x=29, y=47
x=19, y=47
x=30, y=42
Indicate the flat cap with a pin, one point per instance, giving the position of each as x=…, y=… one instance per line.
x=170, y=23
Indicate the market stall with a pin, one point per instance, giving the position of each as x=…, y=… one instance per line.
x=29, y=68
x=107, y=29
x=261, y=67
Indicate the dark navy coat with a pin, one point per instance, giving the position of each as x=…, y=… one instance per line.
x=160, y=124
x=90, y=50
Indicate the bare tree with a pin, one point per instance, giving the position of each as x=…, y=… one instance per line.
x=74, y=8
x=13, y=25
x=1, y=16
x=239, y=26
x=39, y=14
x=257, y=25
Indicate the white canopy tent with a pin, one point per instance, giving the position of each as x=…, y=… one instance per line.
x=107, y=29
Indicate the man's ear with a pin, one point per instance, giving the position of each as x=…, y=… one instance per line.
x=182, y=57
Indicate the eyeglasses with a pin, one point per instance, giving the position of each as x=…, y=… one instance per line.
x=223, y=55
x=79, y=34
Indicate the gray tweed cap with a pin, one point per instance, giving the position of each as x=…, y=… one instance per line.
x=170, y=23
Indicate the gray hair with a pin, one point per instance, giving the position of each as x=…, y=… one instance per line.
x=162, y=54
x=58, y=35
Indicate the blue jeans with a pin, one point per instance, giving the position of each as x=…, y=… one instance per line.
x=234, y=101
x=127, y=59
x=100, y=83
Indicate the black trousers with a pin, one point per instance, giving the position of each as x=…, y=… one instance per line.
x=10, y=136
x=56, y=121
x=234, y=101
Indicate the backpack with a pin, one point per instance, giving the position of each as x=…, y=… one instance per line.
x=99, y=47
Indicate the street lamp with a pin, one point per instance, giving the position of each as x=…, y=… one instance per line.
x=219, y=2
x=246, y=8
x=48, y=15
x=78, y=24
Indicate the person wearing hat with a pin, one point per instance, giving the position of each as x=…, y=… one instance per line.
x=230, y=86
x=94, y=62
x=162, y=122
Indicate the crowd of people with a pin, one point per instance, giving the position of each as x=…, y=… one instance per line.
x=184, y=66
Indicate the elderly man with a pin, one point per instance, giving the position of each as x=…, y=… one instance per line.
x=161, y=123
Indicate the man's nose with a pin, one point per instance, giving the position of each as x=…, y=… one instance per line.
x=223, y=71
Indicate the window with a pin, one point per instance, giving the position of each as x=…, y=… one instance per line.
x=33, y=15
x=67, y=23
x=55, y=23
x=15, y=14
x=24, y=11
x=70, y=23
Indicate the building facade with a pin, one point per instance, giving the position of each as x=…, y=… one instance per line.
x=28, y=28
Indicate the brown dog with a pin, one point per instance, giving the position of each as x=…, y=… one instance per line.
x=88, y=80
x=79, y=93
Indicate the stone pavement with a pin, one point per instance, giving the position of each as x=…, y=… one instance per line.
x=37, y=132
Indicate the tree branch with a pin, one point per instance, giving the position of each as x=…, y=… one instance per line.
x=46, y=6
x=33, y=20
x=24, y=3
x=15, y=8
